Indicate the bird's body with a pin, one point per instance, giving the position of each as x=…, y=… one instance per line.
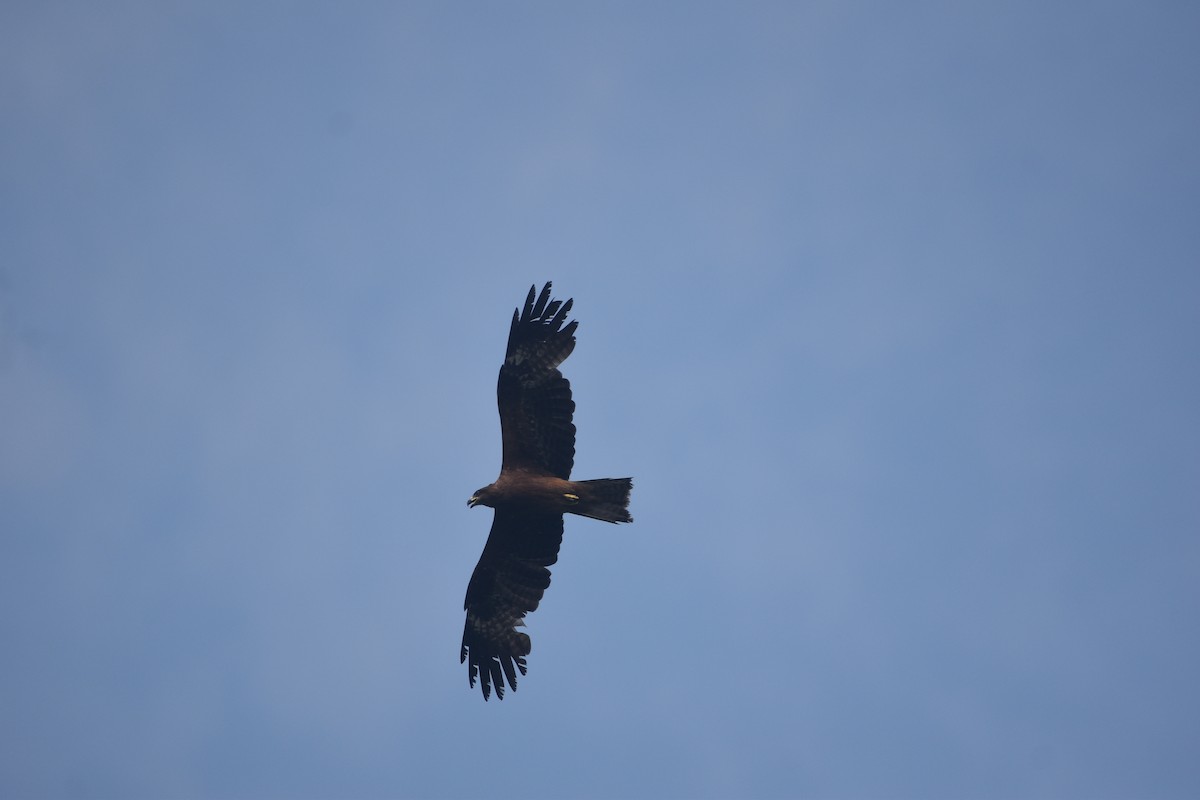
x=603, y=499
x=531, y=494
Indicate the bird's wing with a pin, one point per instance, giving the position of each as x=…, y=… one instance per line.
x=508, y=582
x=533, y=396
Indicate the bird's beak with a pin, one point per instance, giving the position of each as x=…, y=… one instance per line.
x=474, y=499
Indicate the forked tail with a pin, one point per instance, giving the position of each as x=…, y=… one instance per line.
x=605, y=498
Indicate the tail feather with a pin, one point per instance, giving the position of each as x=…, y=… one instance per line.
x=604, y=499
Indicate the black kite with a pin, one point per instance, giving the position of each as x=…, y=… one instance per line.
x=531, y=495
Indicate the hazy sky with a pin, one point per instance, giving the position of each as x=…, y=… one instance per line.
x=892, y=310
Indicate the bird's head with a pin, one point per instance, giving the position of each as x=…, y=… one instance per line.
x=482, y=497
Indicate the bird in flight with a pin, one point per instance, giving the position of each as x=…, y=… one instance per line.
x=531, y=495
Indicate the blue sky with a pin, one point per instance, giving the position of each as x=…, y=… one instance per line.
x=890, y=310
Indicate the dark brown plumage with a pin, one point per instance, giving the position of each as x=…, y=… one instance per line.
x=531, y=495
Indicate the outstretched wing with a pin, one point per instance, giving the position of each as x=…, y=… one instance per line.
x=533, y=396
x=508, y=583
